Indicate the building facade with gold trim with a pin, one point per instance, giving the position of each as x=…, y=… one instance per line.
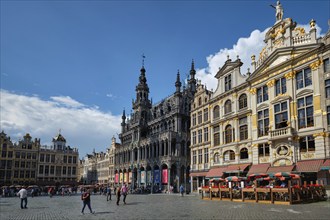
x=278, y=115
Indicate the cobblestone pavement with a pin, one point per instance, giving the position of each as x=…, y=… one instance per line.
x=156, y=206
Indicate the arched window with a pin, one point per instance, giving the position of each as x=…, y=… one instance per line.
x=216, y=158
x=199, y=101
x=242, y=101
x=227, y=106
x=229, y=155
x=229, y=134
x=216, y=112
x=244, y=153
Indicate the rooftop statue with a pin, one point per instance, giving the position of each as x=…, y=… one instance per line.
x=278, y=11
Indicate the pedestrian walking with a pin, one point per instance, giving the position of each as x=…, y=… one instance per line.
x=23, y=196
x=108, y=193
x=86, y=198
x=118, y=194
x=181, y=190
x=124, y=192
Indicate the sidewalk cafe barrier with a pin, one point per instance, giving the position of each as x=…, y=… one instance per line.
x=292, y=193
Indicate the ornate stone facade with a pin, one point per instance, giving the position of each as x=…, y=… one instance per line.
x=155, y=138
x=278, y=115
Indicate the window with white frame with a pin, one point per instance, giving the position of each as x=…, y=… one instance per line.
x=227, y=82
x=206, y=114
x=263, y=122
x=194, y=137
x=194, y=157
x=326, y=65
x=216, y=112
x=200, y=119
x=243, y=129
x=200, y=156
x=206, y=134
x=327, y=88
x=242, y=101
x=263, y=150
x=307, y=144
x=227, y=106
x=262, y=94
x=206, y=155
x=216, y=135
x=229, y=155
x=229, y=134
x=194, y=119
x=281, y=115
x=200, y=136
x=304, y=78
x=280, y=86
x=305, y=112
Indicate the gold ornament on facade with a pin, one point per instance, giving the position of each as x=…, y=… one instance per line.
x=321, y=134
x=315, y=64
x=300, y=31
x=308, y=155
x=270, y=83
x=312, y=24
x=290, y=75
x=253, y=91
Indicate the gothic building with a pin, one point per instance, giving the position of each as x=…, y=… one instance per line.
x=155, y=138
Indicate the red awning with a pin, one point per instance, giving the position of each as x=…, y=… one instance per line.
x=198, y=174
x=326, y=165
x=309, y=166
x=280, y=169
x=236, y=168
x=259, y=168
x=216, y=172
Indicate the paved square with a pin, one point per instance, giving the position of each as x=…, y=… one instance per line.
x=156, y=206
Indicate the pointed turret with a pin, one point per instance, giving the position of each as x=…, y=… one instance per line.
x=178, y=84
x=192, y=80
x=123, y=122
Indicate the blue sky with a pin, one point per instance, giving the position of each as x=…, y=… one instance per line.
x=74, y=65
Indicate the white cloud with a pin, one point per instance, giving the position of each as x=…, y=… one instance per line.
x=66, y=101
x=244, y=48
x=83, y=127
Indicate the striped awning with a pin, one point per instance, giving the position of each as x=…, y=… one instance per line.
x=236, y=168
x=326, y=165
x=309, y=166
x=280, y=169
x=216, y=172
x=259, y=168
x=198, y=173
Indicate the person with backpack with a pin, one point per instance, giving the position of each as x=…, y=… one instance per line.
x=86, y=198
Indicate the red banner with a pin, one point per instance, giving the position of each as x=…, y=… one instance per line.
x=164, y=176
x=116, y=178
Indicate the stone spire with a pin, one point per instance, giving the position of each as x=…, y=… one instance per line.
x=192, y=80
x=178, y=83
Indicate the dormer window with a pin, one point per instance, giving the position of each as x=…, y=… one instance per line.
x=227, y=82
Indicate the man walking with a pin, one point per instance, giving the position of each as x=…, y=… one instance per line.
x=181, y=190
x=118, y=192
x=108, y=193
x=86, y=198
x=23, y=196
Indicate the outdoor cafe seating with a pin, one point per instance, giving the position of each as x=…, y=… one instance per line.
x=272, y=188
